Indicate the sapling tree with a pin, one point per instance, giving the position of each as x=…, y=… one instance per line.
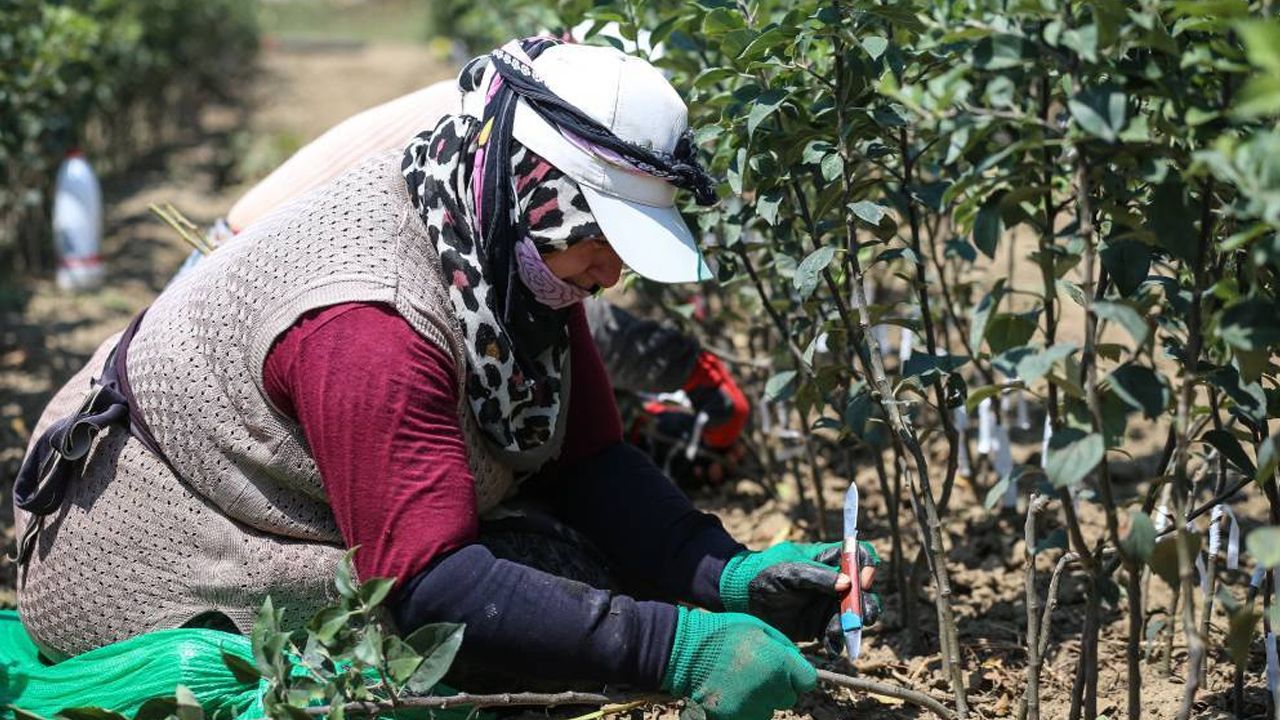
x=913, y=147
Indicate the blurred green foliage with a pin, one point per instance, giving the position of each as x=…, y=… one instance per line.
x=112, y=77
x=1123, y=154
x=402, y=21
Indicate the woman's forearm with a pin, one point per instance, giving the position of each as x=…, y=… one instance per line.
x=538, y=626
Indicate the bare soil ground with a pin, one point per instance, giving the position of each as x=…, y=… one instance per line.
x=45, y=336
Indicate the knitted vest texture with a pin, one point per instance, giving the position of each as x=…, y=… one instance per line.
x=136, y=547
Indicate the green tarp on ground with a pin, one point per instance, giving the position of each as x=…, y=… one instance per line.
x=124, y=675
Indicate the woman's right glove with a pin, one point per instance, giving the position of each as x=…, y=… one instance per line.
x=735, y=666
x=793, y=587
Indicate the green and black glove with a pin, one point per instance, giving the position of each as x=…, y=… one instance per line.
x=792, y=586
x=735, y=666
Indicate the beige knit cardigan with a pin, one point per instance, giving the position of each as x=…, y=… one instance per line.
x=242, y=514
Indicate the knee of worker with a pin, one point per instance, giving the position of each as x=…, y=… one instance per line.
x=529, y=535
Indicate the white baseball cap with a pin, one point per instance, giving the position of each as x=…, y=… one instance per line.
x=631, y=98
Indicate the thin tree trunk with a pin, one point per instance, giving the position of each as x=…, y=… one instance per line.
x=1032, y=697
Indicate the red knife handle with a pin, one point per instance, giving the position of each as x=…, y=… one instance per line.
x=851, y=602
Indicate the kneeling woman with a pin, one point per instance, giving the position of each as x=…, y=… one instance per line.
x=379, y=365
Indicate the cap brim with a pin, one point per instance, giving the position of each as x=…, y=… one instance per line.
x=653, y=241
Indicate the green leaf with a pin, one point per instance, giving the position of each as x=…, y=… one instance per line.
x=998, y=52
x=767, y=206
x=1073, y=290
x=762, y=107
x=89, y=713
x=902, y=16
x=1211, y=8
x=345, y=576
x=815, y=151
x=987, y=227
x=961, y=248
x=268, y=641
x=1268, y=459
x=997, y=491
x=982, y=314
x=326, y=624
x=898, y=253
x=832, y=167
x=1164, y=558
x=1251, y=324
x=1264, y=545
x=402, y=659
x=1115, y=419
x=1125, y=315
x=692, y=711
x=858, y=411
x=1140, y=542
x=1100, y=111
x=1001, y=92
x=809, y=271
x=875, y=45
x=780, y=386
x=1073, y=454
x=20, y=714
x=1248, y=396
x=373, y=592
x=1009, y=330
x=157, y=708
x=188, y=705
x=1056, y=540
x=1240, y=635
x=1262, y=43
x=1230, y=448
x=1172, y=220
x=737, y=171
x=721, y=21
x=664, y=29
x=1260, y=97
x=711, y=76
x=932, y=367
x=369, y=649
x=1036, y=365
x=765, y=43
x=1083, y=40
x=241, y=669
x=1141, y=388
x=438, y=643
x=1127, y=262
x=867, y=211
x=977, y=395
x=1110, y=351
x=1253, y=363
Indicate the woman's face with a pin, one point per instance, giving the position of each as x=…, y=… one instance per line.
x=587, y=264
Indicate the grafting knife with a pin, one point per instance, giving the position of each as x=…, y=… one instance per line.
x=851, y=603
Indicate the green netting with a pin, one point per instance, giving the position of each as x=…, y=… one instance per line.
x=124, y=675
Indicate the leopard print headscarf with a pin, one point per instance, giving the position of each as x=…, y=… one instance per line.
x=465, y=179
x=554, y=215
x=516, y=350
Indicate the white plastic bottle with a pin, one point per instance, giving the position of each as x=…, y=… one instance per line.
x=77, y=224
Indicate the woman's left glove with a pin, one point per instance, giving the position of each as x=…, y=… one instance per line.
x=794, y=587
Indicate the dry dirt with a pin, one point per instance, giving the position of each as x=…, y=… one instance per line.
x=49, y=334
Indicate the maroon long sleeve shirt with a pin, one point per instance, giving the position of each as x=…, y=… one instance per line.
x=378, y=406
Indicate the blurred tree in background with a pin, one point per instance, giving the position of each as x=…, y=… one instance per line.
x=112, y=77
